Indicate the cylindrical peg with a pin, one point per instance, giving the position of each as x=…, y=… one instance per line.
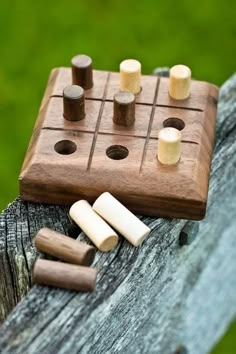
x=82, y=71
x=118, y=216
x=73, y=103
x=130, y=76
x=124, y=108
x=180, y=82
x=169, y=146
x=64, y=275
x=99, y=232
x=64, y=247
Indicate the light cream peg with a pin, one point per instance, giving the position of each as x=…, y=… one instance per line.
x=180, y=82
x=169, y=146
x=130, y=76
x=118, y=216
x=99, y=232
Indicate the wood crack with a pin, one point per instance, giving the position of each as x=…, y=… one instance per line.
x=8, y=258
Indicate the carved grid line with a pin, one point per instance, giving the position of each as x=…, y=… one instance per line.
x=98, y=123
x=150, y=125
x=104, y=99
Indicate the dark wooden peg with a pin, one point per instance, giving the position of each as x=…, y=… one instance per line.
x=64, y=247
x=64, y=275
x=82, y=71
x=73, y=103
x=124, y=108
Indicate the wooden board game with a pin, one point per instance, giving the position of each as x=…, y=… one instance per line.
x=67, y=161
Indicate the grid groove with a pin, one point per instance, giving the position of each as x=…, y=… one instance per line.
x=150, y=125
x=98, y=124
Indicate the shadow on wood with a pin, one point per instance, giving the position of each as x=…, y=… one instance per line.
x=153, y=299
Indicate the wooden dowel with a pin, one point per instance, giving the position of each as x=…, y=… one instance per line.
x=99, y=232
x=64, y=247
x=180, y=82
x=64, y=275
x=124, y=108
x=82, y=71
x=117, y=215
x=73, y=103
x=169, y=146
x=130, y=76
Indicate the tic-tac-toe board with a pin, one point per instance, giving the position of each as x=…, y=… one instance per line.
x=67, y=161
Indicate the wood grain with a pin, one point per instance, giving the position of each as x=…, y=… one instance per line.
x=198, y=99
x=64, y=275
x=148, y=84
x=63, y=247
x=163, y=295
x=138, y=179
x=64, y=78
x=82, y=71
x=124, y=109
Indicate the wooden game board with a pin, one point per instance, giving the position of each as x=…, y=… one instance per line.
x=67, y=161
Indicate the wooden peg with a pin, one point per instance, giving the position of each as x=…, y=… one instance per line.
x=64, y=247
x=118, y=216
x=64, y=275
x=82, y=71
x=73, y=103
x=124, y=108
x=169, y=146
x=180, y=82
x=99, y=232
x=130, y=76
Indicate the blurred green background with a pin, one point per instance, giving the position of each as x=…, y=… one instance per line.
x=39, y=35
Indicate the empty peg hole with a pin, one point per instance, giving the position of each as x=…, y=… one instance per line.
x=65, y=147
x=117, y=152
x=173, y=122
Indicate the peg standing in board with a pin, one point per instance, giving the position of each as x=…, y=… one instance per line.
x=169, y=146
x=180, y=82
x=118, y=216
x=73, y=103
x=124, y=108
x=82, y=71
x=64, y=247
x=130, y=76
x=99, y=232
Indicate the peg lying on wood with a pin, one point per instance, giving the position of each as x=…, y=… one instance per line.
x=64, y=275
x=118, y=216
x=64, y=247
x=99, y=232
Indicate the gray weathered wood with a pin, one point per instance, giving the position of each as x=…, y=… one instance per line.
x=149, y=299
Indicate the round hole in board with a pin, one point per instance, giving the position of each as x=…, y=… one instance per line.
x=117, y=152
x=173, y=122
x=65, y=147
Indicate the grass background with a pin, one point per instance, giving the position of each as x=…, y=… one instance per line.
x=39, y=35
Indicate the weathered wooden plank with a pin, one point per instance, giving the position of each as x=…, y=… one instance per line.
x=148, y=299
